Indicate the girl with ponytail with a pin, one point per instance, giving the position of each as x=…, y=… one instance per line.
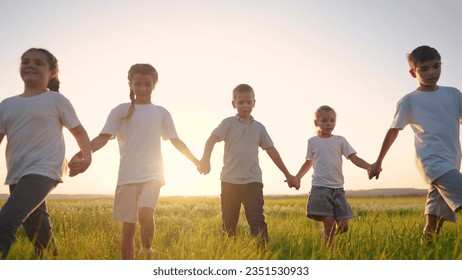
x=32, y=123
x=138, y=127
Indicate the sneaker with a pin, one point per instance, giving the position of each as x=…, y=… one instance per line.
x=428, y=237
x=145, y=253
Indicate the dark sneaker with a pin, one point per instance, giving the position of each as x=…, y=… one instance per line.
x=428, y=237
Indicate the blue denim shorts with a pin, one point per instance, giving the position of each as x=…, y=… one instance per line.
x=328, y=202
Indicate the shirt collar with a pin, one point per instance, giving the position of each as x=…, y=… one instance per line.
x=240, y=120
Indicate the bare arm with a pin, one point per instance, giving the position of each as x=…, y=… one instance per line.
x=304, y=169
x=205, y=161
x=81, y=136
x=182, y=148
x=359, y=162
x=97, y=143
x=390, y=137
x=290, y=179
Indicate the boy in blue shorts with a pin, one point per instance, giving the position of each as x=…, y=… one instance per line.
x=241, y=176
x=434, y=114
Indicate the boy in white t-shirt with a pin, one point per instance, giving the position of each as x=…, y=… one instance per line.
x=327, y=201
x=241, y=176
x=138, y=127
x=434, y=113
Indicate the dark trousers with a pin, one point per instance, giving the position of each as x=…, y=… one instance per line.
x=251, y=196
x=26, y=205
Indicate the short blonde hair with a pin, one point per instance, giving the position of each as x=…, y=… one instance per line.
x=243, y=88
x=323, y=108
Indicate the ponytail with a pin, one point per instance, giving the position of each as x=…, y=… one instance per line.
x=141, y=68
x=132, y=106
x=53, y=84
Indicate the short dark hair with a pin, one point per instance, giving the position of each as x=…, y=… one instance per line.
x=422, y=54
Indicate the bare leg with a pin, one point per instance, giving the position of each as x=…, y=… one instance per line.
x=432, y=227
x=342, y=226
x=128, y=241
x=147, y=228
x=328, y=230
x=434, y=224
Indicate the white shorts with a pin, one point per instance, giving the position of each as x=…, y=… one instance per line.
x=129, y=198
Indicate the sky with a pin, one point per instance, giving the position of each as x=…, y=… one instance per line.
x=297, y=55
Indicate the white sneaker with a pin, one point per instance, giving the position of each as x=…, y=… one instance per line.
x=145, y=253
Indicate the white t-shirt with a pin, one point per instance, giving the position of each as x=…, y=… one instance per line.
x=326, y=154
x=139, y=141
x=435, y=120
x=33, y=126
x=242, y=140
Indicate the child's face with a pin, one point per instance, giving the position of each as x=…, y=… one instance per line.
x=326, y=123
x=427, y=74
x=142, y=86
x=35, y=70
x=244, y=104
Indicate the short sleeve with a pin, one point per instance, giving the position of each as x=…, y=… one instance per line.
x=309, y=151
x=265, y=139
x=222, y=129
x=347, y=149
x=402, y=114
x=168, y=127
x=459, y=95
x=113, y=122
x=2, y=123
x=67, y=112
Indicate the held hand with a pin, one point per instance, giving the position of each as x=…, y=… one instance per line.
x=204, y=167
x=78, y=165
x=292, y=182
x=374, y=171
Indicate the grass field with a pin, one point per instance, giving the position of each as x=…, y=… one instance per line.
x=189, y=229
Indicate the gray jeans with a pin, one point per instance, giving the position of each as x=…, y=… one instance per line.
x=444, y=196
x=26, y=205
x=251, y=196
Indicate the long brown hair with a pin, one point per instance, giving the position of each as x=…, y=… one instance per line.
x=140, y=68
x=53, y=83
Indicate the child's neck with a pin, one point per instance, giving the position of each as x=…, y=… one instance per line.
x=427, y=88
x=324, y=134
x=33, y=91
x=245, y=119
x=143, y=102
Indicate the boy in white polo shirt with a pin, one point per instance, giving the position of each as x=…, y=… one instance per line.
x=241, y=176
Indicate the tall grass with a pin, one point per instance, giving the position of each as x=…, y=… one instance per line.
x=190, y=229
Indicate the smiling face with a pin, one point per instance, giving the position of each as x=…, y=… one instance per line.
x=325, y=122
x=427, y=74
x=35, y=70
x=142, y=86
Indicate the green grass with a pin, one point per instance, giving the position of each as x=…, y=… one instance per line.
x=189, y=229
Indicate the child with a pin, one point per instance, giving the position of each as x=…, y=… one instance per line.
x=433, y=112
x=138, y=127
x=33, y=123
x=241, y=176
x=327, y=202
